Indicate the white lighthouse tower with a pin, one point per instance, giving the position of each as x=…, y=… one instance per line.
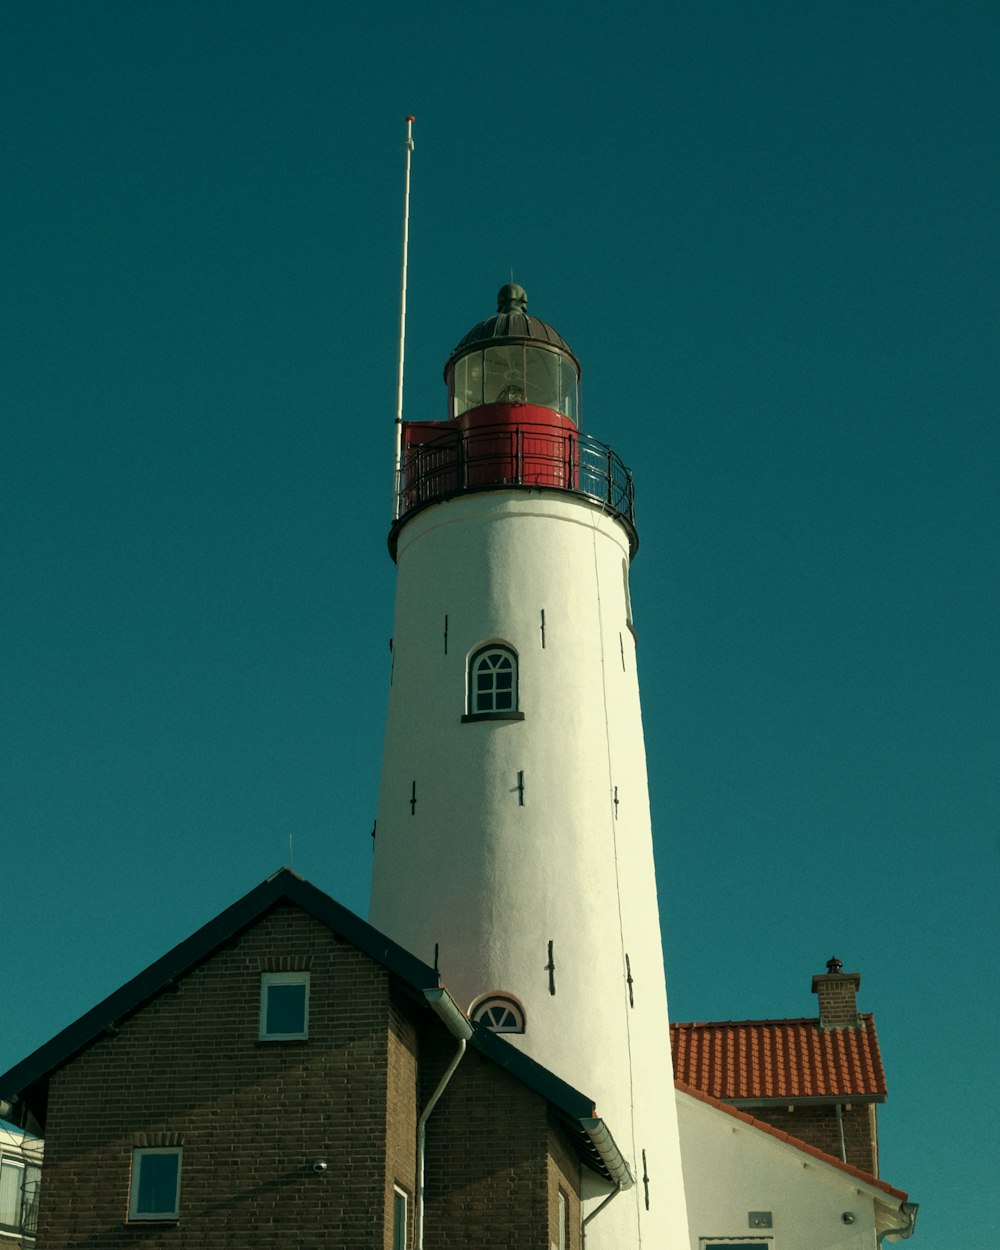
x=513, y=844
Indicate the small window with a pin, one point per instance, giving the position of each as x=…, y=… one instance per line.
x=155, y=1191
x=284, y=1006
x=492, y=690
x=500, y=1013
x=400, y=1216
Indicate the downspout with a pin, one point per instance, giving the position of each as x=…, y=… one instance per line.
x=441, y=1002
x=909, y=1209
x=598, y=1209
x=840, y=1131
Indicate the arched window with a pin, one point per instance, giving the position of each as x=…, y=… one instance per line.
x=499, y=1012
x=492, y=690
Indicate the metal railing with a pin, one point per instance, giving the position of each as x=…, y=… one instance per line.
x=529, y=457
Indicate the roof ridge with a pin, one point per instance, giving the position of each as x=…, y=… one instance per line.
x=721, y=1024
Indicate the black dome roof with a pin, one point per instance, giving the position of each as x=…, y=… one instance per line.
x=511, y=324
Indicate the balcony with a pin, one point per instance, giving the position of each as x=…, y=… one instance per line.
x=519, y=457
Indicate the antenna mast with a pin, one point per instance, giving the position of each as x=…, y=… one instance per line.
x=398, y=462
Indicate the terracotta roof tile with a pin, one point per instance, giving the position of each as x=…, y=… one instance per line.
x=793, y=1059
x=797, y=1142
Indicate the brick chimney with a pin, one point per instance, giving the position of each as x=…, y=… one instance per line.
x=838, y=1001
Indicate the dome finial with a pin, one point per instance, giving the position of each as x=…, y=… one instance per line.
x=512, y=298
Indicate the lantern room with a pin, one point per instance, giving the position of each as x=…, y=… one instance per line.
x=513, y=423
x=512, y=358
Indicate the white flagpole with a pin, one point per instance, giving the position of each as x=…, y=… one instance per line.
x=398, y=464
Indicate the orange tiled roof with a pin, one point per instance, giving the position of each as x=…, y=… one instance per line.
x=793, y=1059
x=849, y=1168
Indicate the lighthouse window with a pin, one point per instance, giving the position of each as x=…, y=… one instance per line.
x=493, y=684
x=499, y=1013
x=515, y=373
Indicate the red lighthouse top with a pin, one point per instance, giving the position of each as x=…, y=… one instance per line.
x=513, y=414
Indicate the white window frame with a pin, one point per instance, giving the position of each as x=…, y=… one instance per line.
x=138, y=1154
x=400, y=1218
x=491, y=1001
x=474, y=708
x=267, y=979
x=563, y=1232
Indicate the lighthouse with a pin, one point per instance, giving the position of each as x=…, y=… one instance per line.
x=513, y=845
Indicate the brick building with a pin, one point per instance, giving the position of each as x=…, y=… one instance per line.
x=818, y=1079
x=278, y=1078
x=778, y=1128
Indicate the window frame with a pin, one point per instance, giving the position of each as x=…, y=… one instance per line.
x=400, y=1226
x=509, y=1002
x=562, y=1203
x=473, y=710
x=139, y=1153
x=269, y=979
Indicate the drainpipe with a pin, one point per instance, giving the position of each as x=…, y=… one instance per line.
x=442, y=1003
x=909, y=1210
x=612, y=1159
x=597, y=1210
x=840, y=1130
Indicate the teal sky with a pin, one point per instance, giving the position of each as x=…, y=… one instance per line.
x=769, y=232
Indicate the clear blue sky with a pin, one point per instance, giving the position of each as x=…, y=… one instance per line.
x=768, y=230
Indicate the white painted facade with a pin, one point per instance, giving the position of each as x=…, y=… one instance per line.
x=497, y=838
x=732, y=1169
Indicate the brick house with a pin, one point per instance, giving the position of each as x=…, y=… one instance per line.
x=288, y=1076
x=786, y=1111
x=819, y=1079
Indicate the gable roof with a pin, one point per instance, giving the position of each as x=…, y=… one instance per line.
x=796, y=1142
x=779, y=1060
x=284, y=886
x=28, y=1080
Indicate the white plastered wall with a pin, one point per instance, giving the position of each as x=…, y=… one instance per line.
x=490, y=882
x=732, y=1168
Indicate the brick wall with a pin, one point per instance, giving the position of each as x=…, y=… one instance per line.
x=564, y=1175
x=838, y=999
x=401, y=1117
x=252, y=1116
x=490, y=1178
x=817, y=1125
